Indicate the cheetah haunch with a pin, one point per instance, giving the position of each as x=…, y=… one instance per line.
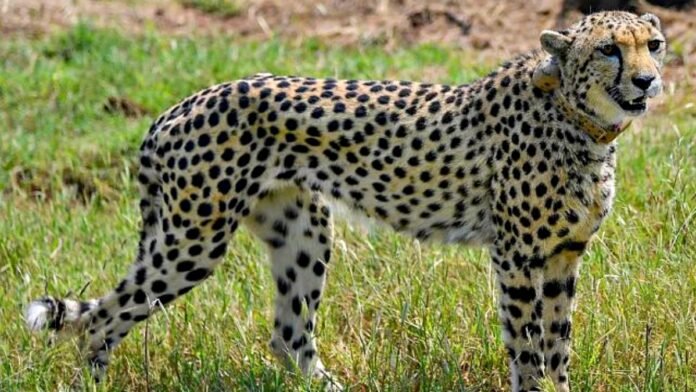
x=521, y=162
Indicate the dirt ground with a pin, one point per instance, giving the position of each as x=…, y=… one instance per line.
x=496, y=29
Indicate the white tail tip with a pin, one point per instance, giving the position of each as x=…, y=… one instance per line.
x=38, y=314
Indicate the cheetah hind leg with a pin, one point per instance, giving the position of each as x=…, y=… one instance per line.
x=172, y=259
x=71, y=317
x=297, y=227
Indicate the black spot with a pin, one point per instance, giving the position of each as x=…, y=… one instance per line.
x=524, y=357
x=218, y=251
x=510, y=329
x=291, y=124
x=193, y=233
x=527, y=238
x=319, y=268
x=197, y=274
x=244, y=102
x=166, y=298
x=204, y=140
x=205, y=209
x=195, y=250
x=198, y=121
x=218, y=225
x=572, y=216
x=139, y=297
x=299, y=343
x=197, y=180
x=123, y=300
x=570, y=287
x=552, y=289
x=246, y=138
x=275, y=243
x=303, y=259
x=243, y=87
x=555, y=361
x=317, y=112
x=521, y=293
x=360, y=111
x=184, y=290
x=213, y=119
x=227, y=155
x=287, y=333
x=140, y=276
x=243, y=160
x=280, y=227
x=514, y=311
x=296, y=305
x=283, y=286
x=157, y=260
x=300, y=107
x=185, y=266
x=159, y=286
x=232, y=120
x=172, y=254
x=540, y=190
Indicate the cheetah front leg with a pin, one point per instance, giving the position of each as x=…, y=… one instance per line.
x=296, y=225
x=560, y=277
x=520, y=279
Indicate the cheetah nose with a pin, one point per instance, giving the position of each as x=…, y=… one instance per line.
x=643, y=82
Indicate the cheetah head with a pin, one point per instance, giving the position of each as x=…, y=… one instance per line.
x=609, y=63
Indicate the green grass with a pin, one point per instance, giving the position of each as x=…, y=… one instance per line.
x=223, y=8
x=397, y=315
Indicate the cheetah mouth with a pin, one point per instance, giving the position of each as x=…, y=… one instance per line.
x=634, y=106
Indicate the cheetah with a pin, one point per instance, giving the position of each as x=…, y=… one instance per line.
x=521, y=162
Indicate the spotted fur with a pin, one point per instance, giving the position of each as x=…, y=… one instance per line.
x=521, y=162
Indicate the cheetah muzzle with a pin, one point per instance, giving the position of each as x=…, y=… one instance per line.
x=521, y=162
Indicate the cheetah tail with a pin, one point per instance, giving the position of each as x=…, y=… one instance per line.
x=58, y=314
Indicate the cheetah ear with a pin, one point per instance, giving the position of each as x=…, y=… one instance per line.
x=547, y=74
x=555, y=43
x=653, y=20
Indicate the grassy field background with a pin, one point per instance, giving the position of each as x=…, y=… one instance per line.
x=397, y=316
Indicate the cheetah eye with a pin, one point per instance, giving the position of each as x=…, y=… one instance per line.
x=654, y=45
x=609, y=50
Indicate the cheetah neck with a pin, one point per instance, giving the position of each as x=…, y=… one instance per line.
x=599, y=133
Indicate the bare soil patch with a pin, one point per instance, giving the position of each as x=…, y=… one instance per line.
x=494, y=29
